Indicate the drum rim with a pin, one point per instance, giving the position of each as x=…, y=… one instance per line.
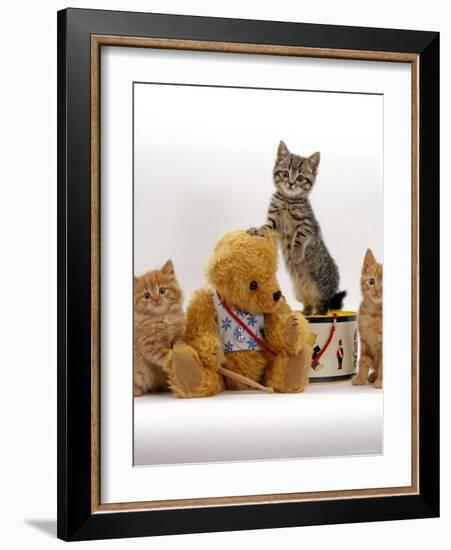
x=342, y=317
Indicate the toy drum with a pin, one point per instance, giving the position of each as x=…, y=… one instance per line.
x=335, y=347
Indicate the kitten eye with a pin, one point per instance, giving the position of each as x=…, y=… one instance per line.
x=300, y=178
x=162, y=290
x=253, y=285
x=147, y=296
x=284, y=174
x=371, y=282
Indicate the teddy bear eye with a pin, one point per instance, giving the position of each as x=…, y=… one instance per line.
x=371, y=282
x=253, y=285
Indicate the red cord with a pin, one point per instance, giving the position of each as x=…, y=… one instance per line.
x=328, y=341
x=238, y=320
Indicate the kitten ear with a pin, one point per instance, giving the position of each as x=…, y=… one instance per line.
x=168, y=268
x=282, y=150
x=369, y=259
x=313, y=160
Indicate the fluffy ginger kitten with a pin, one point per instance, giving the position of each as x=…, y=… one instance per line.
x=370, y=323
x=159, y=322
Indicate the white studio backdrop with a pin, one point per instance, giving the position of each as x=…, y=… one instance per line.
x=28, y=504
x=203, y=164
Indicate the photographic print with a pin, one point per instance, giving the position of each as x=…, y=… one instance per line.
x=254, y=210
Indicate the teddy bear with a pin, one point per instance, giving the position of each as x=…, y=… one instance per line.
x=242, y=322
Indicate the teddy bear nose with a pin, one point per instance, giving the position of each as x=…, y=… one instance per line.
x=277, y=295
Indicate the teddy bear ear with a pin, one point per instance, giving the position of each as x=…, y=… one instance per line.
x=226, y=240
x=217, y=269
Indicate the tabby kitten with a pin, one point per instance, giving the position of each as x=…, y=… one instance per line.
x=312, y=268
x=159, y=322
x=370, y=323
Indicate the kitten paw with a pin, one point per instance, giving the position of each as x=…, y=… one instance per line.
x=138, y=391
x=378, y=383
x=258, y=231
x=291, y=330
x=357, y=381
x=372, y=377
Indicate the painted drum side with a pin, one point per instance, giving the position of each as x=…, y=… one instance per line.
x=339, y=360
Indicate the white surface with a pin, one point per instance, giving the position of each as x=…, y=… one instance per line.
x=335, y=419
x=120, y=480
x=28, y=229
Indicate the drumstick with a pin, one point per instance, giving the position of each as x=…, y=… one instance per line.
x=244, y=380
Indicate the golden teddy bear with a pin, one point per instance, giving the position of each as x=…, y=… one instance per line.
x=241, y=322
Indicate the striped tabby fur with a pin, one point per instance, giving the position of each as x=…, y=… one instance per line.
x=312, y=268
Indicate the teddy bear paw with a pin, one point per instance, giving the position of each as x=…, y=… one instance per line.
x=218, y=356
x=187, y=373
x=291, y=330
x=210, y=351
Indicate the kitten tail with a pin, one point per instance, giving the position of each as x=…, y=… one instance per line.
x=336, y=302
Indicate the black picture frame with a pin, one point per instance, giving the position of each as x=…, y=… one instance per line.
x=76, y=519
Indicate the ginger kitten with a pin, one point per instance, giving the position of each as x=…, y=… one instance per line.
x=370, y=323
x=159, y=322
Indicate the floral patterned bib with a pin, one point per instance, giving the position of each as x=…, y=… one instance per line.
x=233, y=335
